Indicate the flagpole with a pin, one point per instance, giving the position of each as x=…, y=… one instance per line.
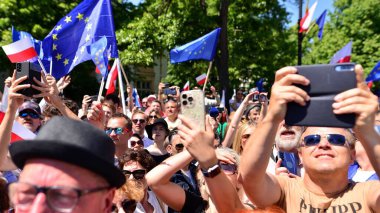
x=125, y=76
x=208, y=73
x=121, y=87
x=51, y=66
x=300, y=36
x=101, y=89
x=42, y=66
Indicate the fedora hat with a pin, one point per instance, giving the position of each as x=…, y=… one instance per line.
x=74, y=142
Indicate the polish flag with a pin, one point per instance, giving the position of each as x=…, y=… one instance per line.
x=111, y=79
x=19, y=132
x=201, y=79
x=21, y=50
x=343, y=55
x=187, y=86
x=306, y=20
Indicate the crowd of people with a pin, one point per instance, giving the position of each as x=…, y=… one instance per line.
x=94, y=157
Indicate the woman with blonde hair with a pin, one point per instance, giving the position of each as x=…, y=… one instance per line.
x=242, y=134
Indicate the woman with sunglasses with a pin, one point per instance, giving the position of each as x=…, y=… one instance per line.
x=158, y=132
x=153, y=116
x=244, y=131
x=135, y=164
x=136, y=143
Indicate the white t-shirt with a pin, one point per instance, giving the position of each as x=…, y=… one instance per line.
x=152, y=199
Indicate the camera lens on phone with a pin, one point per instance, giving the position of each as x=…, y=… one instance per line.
x=190, y=99
x=184, y=103
x=184, y=96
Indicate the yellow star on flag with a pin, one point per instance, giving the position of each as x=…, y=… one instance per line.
x=66, y=62
x=58, y=57
x=79, y=16
x=58, y=28
x=89, y=26
x=87, y=20
x=55, y=37
x=75, y=59
x=82, y=49
x=68, y=19
x=54, y=47
x=87, y=37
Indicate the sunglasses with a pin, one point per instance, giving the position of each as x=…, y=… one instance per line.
x=135, y=121
x=179, y=146
x=153, y=116
x=137, y=174
x=245, y=136
x=139, y=142
x=118, y=130
x=333, y=139
x=30, y=114
x=228, y=168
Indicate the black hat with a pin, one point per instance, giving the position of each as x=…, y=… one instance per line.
x=161, y=121
x=74, y=142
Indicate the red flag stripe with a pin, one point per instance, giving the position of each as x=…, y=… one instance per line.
x=23, y=55
x=345, y=59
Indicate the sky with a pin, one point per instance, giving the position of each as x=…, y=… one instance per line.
x=293, y=9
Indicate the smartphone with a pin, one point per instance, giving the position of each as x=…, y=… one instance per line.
x=32, y=71
x=193, y=106
x=255, y=96
x=170, y=91
x=326, y=81
x=262, y=98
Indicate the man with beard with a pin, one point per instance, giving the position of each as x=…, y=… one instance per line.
x=29, y=115
x=134, y=165
x=285, y=150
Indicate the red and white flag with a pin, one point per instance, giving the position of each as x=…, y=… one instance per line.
x=21, y=50
x=201, y=79
x=306, y=20
x=111, y=78
x=187, y=86
x=343, y=55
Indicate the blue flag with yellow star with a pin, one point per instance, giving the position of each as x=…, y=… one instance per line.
x=99, y=55
x=374, y=75
x=66, y=44
x=201, y=48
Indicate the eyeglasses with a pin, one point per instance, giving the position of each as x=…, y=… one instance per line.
x=333, y=139
x=153, y=116
x=30, y=114
x=139, y=142
x=59, y=198
x=137, y=174
x=117, y=130
x=229, y=169
x=245, y=136
x=135, y=121
x=179, y=146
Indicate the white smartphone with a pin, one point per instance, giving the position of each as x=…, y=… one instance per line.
x=193, y=106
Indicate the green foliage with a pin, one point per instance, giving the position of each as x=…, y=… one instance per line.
x=351, y=20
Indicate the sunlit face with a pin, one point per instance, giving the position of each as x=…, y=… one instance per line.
x=107, y=112
x=152, y=117
x=28, y=122
x=46, y=172
x=136, y=144
x=132, y=166
x=156, y=106
x=176, y=145
x=120, y=140
x=159, y=133
x=254, y=114
x=139, y=123
x=325, y=157
x=246, y=134
x=171, y=109
x=288, y=137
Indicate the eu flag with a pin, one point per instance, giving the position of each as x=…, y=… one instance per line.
x=201, y=48
x=259, y=85
x=18, y=35
x=321, y=23
x=374, y=75
x=99, y=55
x=67, y=43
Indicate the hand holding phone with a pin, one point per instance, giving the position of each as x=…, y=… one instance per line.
x=31, y=71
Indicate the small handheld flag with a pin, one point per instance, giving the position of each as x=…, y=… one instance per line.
x=111, y=79
x=343, y=55
x=306, y=20
x=321, y=23
x=187, y=86
x=99, y=55
x=201, y=79
x=20, y=51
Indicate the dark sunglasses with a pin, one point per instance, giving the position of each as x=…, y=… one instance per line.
x=137, y=174
x=153, y=116
x=246, y=136
x=30, y=114
x=333, y=139
x=179, y=146
x=135, y=121
x=139, y=142
x=228, y=168
x=118, y=130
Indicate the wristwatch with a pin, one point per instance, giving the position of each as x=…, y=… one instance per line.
x=212, y=171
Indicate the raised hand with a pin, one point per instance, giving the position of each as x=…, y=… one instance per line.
x=15, y=99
